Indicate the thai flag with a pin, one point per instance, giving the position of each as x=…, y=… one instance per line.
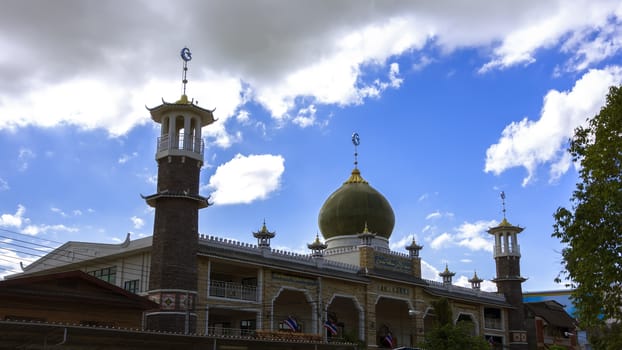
x=291, y=323
x=388, y=339
x=331, y=327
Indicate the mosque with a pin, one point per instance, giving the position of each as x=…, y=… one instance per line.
x=351, y=288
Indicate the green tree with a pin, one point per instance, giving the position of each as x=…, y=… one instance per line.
x=607, y=338
x=591, y=230
x=447, y=336
x=557, y=347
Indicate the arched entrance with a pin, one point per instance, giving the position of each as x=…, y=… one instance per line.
x=346, y=315
x=293, y=310
x=394, y=326
x=469, y=322
x=429, y=320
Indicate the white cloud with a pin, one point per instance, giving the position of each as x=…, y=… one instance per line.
x=137, y=222
x=243, y=117
x=442, y=240
x=87, y=103
x=18, y=220
x=245, y=179
x=560, y=167
x=558, y=22
x=423, y=62
x=486, y=285
x=472, y=236
x=593, y=45
x=489, y=286
x=24, y=157
x=75, y=212
x=394, y=80
x=151, y=179
x=220, y=91
x=305, y=117
x=434, y=215
x=529, y=143
x=270, y=56
x=403, y=242
x=126, y=157
x=462, y=281
x=58, y=211
x=427, y=228
x=302, y=250
x=34, y=230
x=14, y=220
x=10, y=263
x=4, y=186
x=429, y=272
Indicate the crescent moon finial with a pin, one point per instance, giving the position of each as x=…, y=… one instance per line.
x=186, y=56
x=503, y=203
x=356, y=140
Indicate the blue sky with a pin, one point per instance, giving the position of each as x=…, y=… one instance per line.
x=453, y=104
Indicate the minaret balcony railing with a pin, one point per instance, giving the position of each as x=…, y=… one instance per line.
x=180, y=145
x=513, y=251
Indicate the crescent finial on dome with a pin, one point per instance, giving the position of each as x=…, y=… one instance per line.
x=354, y=204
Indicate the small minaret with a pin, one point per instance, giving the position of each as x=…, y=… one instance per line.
x=475, y=281
x=508, y=280
x=366, y=250
x=264, y=236
x=413, y=250
x=366, y=237
x=447, y=276
x=317, y=248
x=173, y=275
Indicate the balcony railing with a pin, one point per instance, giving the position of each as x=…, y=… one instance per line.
x=270, y=335
x=181, y=143
x=498, y=251
x=493, y=323
x=231, y=290
x=233, y=332
x=557, y=340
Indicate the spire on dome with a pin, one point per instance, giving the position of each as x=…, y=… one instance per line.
x=355, y=176
x=356, y=140
x=186, y=56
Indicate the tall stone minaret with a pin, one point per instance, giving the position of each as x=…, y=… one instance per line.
x=173, y=274
x=509, y=280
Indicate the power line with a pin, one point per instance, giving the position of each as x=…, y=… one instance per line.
x=29, y=236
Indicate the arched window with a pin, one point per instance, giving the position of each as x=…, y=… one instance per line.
x=468, y=321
